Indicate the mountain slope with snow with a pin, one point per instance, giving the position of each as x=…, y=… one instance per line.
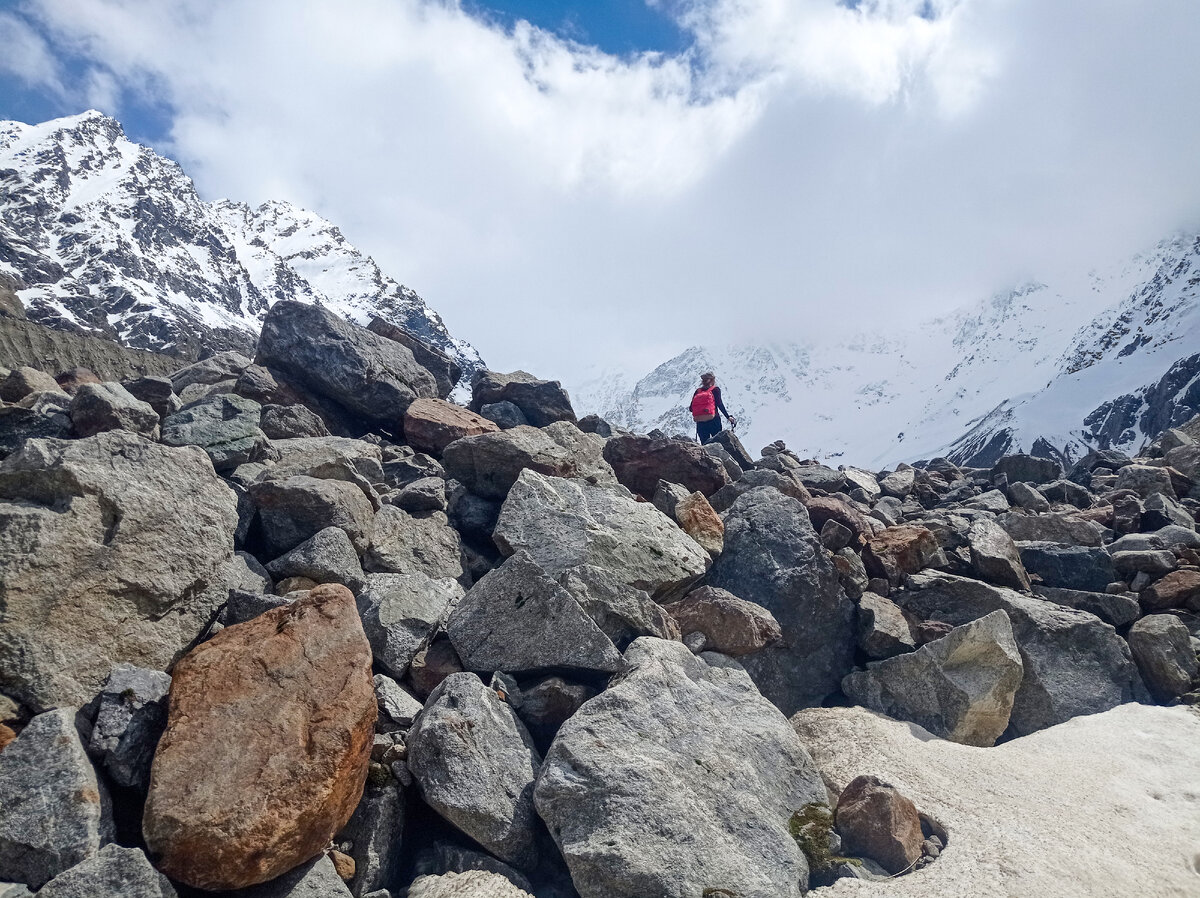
x=104, y=236
x=1040, y=368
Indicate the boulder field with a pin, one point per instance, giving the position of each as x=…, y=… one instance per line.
x=301, y=625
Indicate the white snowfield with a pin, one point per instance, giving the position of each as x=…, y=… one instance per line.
x=133, y=237
x=1034, y=361
x=1103, y=806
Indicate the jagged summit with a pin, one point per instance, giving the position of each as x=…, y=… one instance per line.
x=101, y=235
x=1105, y=360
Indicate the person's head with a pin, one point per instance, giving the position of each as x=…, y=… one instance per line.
x=707, y=379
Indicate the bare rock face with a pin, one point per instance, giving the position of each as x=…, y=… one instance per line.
x=142, y=536
x=698, y=520
x=430, y=425
x=564, y=524
x=267, y=745
x=876, y=821
x=475, y=763
x=542, y=402
x=678, y=780
x=109, y=406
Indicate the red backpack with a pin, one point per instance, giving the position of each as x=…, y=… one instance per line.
x=703, y=404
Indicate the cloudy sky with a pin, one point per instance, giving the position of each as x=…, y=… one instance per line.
x=605, y=183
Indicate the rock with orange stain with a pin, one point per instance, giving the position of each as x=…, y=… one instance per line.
x=267, y=745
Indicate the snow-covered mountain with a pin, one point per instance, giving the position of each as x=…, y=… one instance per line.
x=104, y=236
x=1108, y=359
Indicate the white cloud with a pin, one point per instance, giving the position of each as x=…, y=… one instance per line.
x=27, y=55
x=805, y=167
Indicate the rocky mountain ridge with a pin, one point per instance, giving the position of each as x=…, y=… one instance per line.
x=1105, y=360
x=105, y=237
x=503, y=651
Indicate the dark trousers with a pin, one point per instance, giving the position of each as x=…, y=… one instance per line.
x=706, y=430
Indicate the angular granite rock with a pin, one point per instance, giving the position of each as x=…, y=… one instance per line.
x=678, y=780
x=773, y=558
x=563, y=524
x=115, y=871
x=133, y=576
x=960, y=687
x=475, y=763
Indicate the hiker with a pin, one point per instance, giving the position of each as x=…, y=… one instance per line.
x=707, y=408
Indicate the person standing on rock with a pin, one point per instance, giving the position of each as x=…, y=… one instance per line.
x=707, y=408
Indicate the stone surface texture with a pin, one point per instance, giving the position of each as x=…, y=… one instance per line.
x=53, y=811
x=475, y=763
x=88, y=547
x=960, y=687
x=679, y=780
x=566, y=523
x=772, y=557
x=294, y=687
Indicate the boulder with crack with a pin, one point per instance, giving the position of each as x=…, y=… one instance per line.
x=98, y=569
x=475, y=764
x=960, y=687
x=563, y=524
x=772, y=557
x=680, y=779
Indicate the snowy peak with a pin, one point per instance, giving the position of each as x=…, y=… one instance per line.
x=107, y=237
x=1054, y=367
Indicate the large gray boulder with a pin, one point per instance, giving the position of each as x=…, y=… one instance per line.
x=1074, y=663
x=517, y=619
x=225, y=426
x=131, y=715
x=994, y=555
x=48, y=419
x=488, y=464
x=327, y=556
x=114, y=872
x=960, y=687
x=400, y=614
x=1115, y=609
x=295, y=509
x=563, y=524
x=542, y=402
x=722, y=500
x=109, y=406
x=372, y=376
x=1163, y=650
x=1026, y=469
x=402, y=543
x=112, y=549
x=375, y=833
x=1056, y=528
x=315, y=879
x=640, y=462
x=213, y=370
x=620, y=611
x=774, y=558
x=54, y=813
x=1087, y=568
x=475, y=764
x=678, y=780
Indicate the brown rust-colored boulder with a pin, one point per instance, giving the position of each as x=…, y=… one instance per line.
x=430, y=425
x=267, y=745
x=698, y=520
x=903, y=549
x=641, y=462
x=876, y=821
x=730, y=625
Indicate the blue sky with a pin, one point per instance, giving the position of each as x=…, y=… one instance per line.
x=577, y=184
